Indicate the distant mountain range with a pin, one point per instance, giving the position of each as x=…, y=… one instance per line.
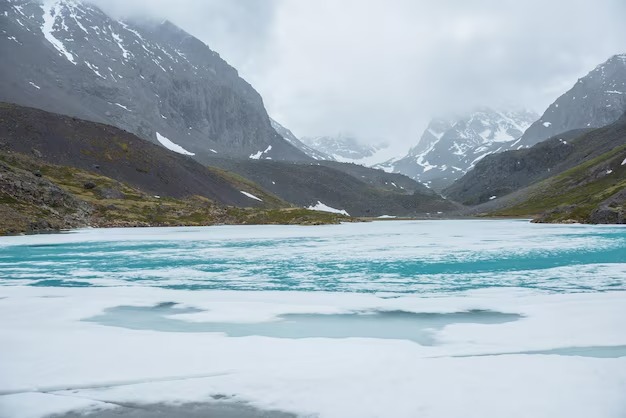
x=596, y=100
x=576, y=176
x=349, y=149
x=151, y=79
x=450, y=147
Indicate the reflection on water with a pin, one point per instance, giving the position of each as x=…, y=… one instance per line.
x=418, y=327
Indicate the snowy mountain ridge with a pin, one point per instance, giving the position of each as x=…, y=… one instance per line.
x=450, y=146
x=347, y=148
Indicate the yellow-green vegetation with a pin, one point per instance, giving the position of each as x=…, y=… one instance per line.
x=246, y=185
x=85, y=198
x=286, y=216
x=575, y=193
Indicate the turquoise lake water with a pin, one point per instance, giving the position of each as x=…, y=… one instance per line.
x=391, y=256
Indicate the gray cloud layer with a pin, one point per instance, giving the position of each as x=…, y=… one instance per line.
x=381, y=68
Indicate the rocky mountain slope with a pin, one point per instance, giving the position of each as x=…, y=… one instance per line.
x=450, y=147
x=120, y=155
x=95, y=161
x=581, y=178
x=357, y=190
x=592, y=192
x=151, y=79
x=36, y=196
x=58, y=172
x=596, y=100
x=500, y=174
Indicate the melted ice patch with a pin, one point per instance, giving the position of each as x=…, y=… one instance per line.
x=399, y=325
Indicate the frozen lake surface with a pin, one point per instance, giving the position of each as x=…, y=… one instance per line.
x=404, y=319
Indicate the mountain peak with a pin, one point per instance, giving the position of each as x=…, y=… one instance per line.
x=451, y=145
x=597, y=99
x=150, y=78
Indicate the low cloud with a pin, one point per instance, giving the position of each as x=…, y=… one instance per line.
x=381, y=68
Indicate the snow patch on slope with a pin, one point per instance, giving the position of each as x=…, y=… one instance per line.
x=172, y=146
x=251, y=196
x=259, y=154
x=321, y=207
x=50, y=12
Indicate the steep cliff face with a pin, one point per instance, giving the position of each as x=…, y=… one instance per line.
x=153, y=80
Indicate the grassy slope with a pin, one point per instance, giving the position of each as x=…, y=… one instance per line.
x=575, y=193
x=127, y=207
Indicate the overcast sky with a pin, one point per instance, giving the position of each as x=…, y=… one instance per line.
x=380, y=69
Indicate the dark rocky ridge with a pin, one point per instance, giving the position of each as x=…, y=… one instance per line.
x=306, y=184
x=142, y=77
x=36, y=196
x=588, y=186
x=117, y=154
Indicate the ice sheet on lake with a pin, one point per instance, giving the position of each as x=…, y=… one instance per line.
x=331, y=377
x=186, y=314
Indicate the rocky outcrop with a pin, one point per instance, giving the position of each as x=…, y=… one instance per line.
x=33, y=203
x=611, y=211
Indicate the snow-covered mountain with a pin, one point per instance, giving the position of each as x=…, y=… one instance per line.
x=596, y=100
x=449, y=147
x=293, y=140
x=348, y=149
x=151, y=79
